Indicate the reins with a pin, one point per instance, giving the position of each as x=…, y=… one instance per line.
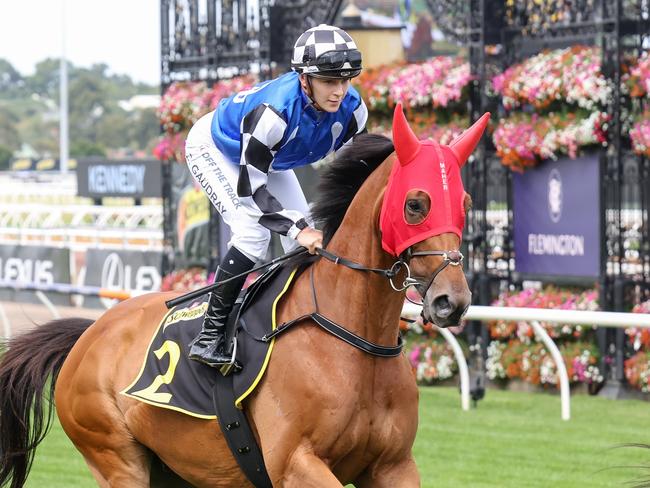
x=207, y=289
x=454, y=258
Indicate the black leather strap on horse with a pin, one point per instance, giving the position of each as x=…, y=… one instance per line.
x=388, y=273
x=238, y=433
x=357, y=341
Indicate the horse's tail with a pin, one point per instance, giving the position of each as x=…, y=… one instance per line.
x=25, y=413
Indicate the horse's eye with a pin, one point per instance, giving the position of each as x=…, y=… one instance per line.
x=414, y=206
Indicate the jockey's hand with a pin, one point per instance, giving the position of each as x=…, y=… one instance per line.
x=310, y=238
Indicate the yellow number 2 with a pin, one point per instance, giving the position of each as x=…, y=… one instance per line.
x=150, y=393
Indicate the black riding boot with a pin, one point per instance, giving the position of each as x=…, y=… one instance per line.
x=210, y=347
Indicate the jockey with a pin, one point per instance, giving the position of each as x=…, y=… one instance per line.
x=243, y=153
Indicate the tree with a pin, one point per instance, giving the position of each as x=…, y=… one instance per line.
x=42, y=135
x=87, y=106
x=5, y=156
x=144, y=128
x=11, y=81
x=83, y=148
x=96, y=121
x=113, y=129
x=9, y=137
x=45, y=80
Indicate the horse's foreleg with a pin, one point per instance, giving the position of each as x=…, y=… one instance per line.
x=403, y=474
x=304, y=470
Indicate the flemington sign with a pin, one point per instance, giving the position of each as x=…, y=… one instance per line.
x=134, y=178
x=557, y=218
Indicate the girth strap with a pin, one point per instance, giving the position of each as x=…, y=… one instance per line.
x=238, y=433
x=357, y=341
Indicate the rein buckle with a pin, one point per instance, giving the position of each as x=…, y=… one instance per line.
x=395, y=269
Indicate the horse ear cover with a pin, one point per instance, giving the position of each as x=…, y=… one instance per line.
x=464, y=144
x=430, y=167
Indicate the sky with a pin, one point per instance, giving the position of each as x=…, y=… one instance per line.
x=124, y=34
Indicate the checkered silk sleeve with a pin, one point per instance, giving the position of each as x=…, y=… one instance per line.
x=262, y=131
x=357, y=124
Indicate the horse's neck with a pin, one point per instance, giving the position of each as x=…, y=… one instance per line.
x=361, y=301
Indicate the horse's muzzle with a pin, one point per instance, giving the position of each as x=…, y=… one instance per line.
x=446, y=311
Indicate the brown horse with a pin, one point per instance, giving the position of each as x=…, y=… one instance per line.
x=326, y=414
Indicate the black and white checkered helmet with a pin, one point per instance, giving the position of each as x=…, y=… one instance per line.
x=326, y=51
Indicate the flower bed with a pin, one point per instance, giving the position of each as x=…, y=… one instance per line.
x=570, y=75
x=550, y=297
x=515, y=353
x=186, y=102
x=556, y=102
x=637, y=371
x=637, y=367
x=522, y=139
x=532, y=363
x=432, y=360
x=185, y=280
x=425, y=125
x=437, y=83
x=638, y=79
x=640, y=135
x=434, y=94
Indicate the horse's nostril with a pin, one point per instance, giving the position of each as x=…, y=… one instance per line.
x=443, y=307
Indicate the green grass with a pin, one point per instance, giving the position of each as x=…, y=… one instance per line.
x=517, y=439
x=513, y=439
x=58, y=464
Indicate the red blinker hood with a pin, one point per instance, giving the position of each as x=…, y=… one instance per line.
x=430, y=167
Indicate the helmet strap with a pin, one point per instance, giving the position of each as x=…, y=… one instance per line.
x=310, y=94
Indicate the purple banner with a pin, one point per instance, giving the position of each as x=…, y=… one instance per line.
x=557, y=218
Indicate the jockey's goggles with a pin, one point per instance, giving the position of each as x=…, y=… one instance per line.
x=333, y=60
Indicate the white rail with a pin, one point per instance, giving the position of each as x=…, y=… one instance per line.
x=38, y=215
x=579, y=317
x=535, y=316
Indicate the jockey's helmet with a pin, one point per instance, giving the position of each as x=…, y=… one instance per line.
x=325, y=51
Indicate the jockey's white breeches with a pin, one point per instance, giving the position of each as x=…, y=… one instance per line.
x=218, y=176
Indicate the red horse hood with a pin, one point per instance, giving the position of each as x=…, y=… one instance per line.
x=432, y=168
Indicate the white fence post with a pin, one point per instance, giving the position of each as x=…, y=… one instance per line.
x=565, y=392
x=463, y=371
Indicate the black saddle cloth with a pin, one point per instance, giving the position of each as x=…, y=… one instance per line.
x=169, y=379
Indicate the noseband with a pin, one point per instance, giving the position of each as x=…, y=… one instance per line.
x=454, y=258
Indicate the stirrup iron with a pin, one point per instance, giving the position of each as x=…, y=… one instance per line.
x=227, y=368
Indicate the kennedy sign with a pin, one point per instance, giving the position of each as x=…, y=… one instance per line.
x=136, y=179
x=557, y=218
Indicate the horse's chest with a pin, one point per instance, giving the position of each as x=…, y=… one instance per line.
x=374, y=420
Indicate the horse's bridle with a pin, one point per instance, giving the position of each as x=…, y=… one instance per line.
x=454, y=258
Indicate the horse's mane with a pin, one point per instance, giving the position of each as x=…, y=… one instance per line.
x=341, y=179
